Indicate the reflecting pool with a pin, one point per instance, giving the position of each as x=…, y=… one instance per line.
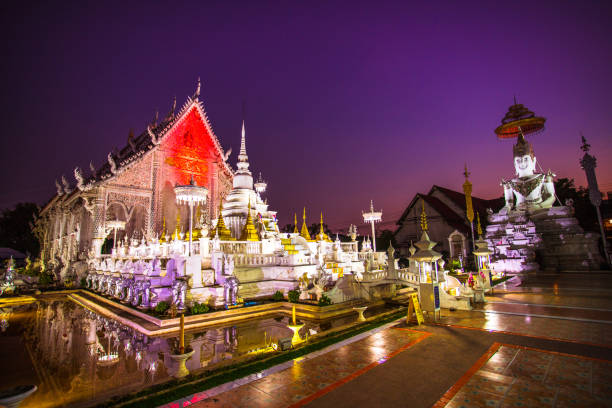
x=79, y=358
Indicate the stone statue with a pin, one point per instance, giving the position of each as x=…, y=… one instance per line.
x=530, y=190
x=179, y=292
x=228, y=265
x=146, y=294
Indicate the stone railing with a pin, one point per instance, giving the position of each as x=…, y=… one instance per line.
x=375, y=275
x=402, y=275
x=258, y=259
x=241, y=247
x=378, y=257
x=405, y=275
x=349, y=246
x=162, y=250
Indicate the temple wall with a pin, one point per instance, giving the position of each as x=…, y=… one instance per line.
x=137, y=175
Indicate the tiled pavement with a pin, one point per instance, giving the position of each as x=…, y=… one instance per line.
x=508, y=375
x=520, y=377
x=575, y=330
x=308, y=379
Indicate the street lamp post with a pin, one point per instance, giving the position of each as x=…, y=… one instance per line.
x=372, y=217
x=192, y=195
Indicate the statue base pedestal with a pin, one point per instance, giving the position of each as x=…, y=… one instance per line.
x=551, y=235
x=295, y=328
x=360, y=310
x=479, y=296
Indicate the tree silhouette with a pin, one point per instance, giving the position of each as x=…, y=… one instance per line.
x=15, y=229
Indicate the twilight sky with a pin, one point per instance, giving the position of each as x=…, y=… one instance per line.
x=344, y=101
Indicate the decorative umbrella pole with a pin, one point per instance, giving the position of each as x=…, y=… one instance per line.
x=372, y=217
x=182, y=335
x=182, y=356
x=192, y=195
x=469, y=210
x=588, y=163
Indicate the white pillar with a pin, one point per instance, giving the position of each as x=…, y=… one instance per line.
x=373, y=237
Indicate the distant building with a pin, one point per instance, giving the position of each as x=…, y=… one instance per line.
x=448, y=225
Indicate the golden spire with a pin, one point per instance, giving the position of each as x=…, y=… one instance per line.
x=162, y=238
x=249, y=232
x=295, y=230
x=177, y=230
x=467, y=190
x=224, y=233
x=304, y=232
x=478, y=226
x=424, y=219
x=322, y=236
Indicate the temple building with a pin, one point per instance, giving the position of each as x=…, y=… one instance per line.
x=128, y=230
x=135, y=185
x=448, y=224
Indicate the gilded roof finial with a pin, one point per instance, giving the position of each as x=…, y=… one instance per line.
x=172, y=111
x=424, y=219
x=466, y=173
x=197, y=92
x=478, y=226
x=322, y=236
x=295, y=228
x=304, y=232
x=249, y=232
x=177, y=230
x=221, y=230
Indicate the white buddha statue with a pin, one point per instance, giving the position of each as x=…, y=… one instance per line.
x=530, y=190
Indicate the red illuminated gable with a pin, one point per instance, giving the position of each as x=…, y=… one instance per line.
x=191, y=146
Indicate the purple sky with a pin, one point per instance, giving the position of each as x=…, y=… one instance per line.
x=344, y=102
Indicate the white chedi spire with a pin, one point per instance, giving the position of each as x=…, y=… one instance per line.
x=243, y=159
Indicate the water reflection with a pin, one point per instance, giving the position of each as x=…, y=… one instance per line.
x=78, y=357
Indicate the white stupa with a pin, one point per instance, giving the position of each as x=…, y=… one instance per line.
x=236, y=203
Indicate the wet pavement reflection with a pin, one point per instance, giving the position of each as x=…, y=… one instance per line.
x=77, y=357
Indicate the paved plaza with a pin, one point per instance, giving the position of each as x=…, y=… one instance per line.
x=546, y=342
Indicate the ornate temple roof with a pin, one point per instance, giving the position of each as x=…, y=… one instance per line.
x=138, y=146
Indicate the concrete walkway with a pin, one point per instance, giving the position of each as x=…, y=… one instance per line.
x=462, y=360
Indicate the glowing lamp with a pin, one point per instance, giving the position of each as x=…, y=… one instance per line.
x=260, y=185
x=115, y=225
x=191, y=194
